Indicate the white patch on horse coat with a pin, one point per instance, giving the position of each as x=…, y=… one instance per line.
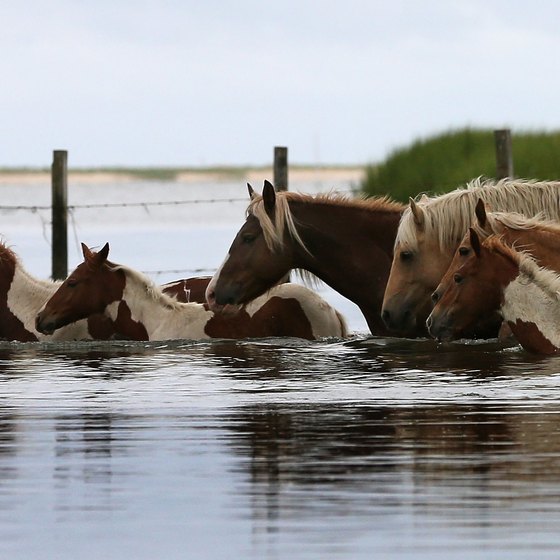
x=214, y=279
x=163, y=317
x=27, y=296
x=533, y=296
x=324, y=319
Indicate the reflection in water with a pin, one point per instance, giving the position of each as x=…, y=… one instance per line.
x=330, y=449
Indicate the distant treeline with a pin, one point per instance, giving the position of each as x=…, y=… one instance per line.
x=446, y=161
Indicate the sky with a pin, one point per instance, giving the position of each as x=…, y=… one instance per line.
x=202, y=83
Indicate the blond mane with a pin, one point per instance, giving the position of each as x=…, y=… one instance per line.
x=447, y=217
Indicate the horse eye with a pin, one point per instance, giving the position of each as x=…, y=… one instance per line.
x=457, y=278
x=248, y=238
x=464, y=251
x=406, y=256
x=71, y=283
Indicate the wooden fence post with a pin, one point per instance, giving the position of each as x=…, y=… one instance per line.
x=281, y=168
x=59, y=183
x=504, y=156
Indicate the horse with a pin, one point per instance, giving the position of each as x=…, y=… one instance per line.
x=429, y=232
x=493, y=276
x=345, y=242
x=22, y=295
x=142, y=311
x=540, y=238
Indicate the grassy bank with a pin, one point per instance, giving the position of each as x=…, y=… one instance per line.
x=443, y=162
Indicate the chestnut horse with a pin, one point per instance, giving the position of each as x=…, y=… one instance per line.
x=541, y=239
x=22, y=295
x=141, y=311
x=345, y=242
x=495, y=277
x=430, y=231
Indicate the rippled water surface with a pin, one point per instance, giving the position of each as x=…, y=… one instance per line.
x=278, y=448
x=273, y=448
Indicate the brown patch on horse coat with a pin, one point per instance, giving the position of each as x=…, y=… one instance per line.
x=277, y=317
x=124, y=321
x=188, y=289
x=11, y=328
x=533, y=340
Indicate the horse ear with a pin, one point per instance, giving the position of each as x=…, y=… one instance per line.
x=480, y=212
x=417, y=213
x=86, y=252
x=100, y=257
x=269, y=197
x=475, y=241
x=251, y=191
x=103, y=253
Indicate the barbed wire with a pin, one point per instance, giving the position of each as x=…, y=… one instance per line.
x=45, y=222
x=36, y=208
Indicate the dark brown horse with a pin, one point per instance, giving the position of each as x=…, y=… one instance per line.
x=345, y=242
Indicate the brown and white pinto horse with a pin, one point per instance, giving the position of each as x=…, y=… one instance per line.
x=540, y=238
x=343, y=241
x=22, y=295
x=430, y=231
x=493, y=276
x=141, y=311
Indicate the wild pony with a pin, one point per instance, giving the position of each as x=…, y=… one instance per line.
x=430, y=231
x=141, y=311
x=540, y=238
x=343, y=241
x=496, y=277
x=22, y=295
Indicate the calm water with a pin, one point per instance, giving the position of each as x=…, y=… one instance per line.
x=365, y=448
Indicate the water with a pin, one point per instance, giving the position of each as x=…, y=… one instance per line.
x=273, y=448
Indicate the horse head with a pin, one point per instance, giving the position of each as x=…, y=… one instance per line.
x=93, y=285
x=259, y=256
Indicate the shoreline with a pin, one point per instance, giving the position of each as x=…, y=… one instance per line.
x=186, y=176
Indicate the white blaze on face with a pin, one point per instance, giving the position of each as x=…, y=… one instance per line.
x=209, y=294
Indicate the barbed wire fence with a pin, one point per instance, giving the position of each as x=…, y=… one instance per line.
x=63, y=215
x=42, y=210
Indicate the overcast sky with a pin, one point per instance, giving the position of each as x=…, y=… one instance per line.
x=182, y=83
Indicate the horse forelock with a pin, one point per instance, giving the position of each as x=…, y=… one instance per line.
x=447, y=217
x=273, y=231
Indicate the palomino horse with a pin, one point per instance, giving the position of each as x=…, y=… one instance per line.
x=22, y=295
x=345, y=242
x=430, y=231
x=141, y=311
x=496, y=277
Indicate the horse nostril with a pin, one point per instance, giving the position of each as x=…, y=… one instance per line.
x=386, y=315
x=435, y=297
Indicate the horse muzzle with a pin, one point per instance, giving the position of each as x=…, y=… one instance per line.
x=45, y=324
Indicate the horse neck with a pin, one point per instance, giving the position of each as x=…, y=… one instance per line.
x=160, y=316
x=27, y=294
x=541, y=243
x=350, y=248
x=336, y=236
x=527, y=306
